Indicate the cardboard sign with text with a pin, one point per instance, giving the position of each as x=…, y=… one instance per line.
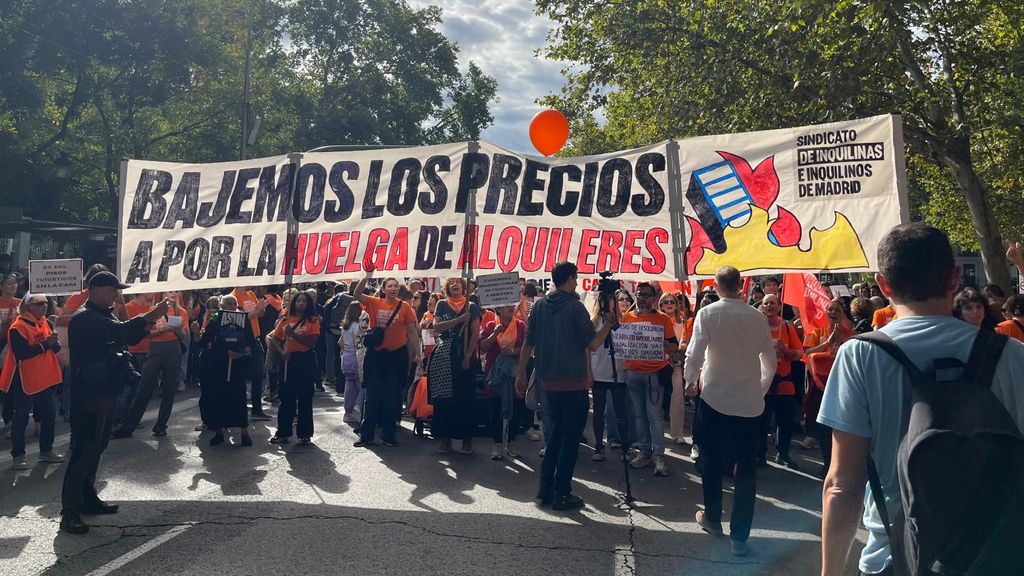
x=639, y=341
x=495, y=290
x=55, y=277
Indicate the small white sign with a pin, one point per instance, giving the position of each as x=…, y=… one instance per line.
x=55, y=277
x=496, y=290
x=840, y=290
x=639, y=341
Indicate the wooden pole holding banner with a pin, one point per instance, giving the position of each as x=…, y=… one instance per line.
x=120, y=215
x=470, y=222
x=676, y=209
x=294, y=158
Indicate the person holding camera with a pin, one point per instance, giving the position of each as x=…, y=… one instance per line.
x=560, y=334
x=101, y=366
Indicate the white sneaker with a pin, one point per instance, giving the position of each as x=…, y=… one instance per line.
x=660, y=467
x=534, y=434
x=695, y=452
x=20, y=463
x=641, y=461
x=496, y=452
x=51, y=457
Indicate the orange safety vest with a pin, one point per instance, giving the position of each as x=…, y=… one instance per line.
x=38, y=372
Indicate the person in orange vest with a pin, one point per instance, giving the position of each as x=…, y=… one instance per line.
x=30, y=376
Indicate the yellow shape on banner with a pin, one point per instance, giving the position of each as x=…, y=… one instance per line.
x=749, y=248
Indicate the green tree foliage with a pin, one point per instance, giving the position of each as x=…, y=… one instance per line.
x=96, y=81
x=953, y=68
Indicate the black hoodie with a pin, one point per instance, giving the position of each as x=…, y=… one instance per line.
x=560, y=331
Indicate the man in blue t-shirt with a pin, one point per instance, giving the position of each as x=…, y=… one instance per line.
x=867, y=398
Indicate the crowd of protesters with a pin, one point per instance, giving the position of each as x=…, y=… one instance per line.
x=735, y=356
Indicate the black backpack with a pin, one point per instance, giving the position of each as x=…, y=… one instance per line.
x=961, y=470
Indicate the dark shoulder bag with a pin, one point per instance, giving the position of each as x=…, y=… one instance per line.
x=374, y=337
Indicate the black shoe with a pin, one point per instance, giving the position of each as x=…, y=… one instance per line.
x=100, y=508
x=73, y=524
x=217, y=439
x=787, y=462
x=280, y=440
x=160, y=433
x=546, y=496
x=389, y=443
x=246, y=440
x=362, y=443
x=305, y=441
x=568, y=502
x=120, y=433
x=259, y=416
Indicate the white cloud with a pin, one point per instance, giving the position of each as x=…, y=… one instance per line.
x=501, y=36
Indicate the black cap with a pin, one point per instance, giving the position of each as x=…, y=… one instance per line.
x=103, y=279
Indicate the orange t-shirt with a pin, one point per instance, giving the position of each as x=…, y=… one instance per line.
x=170, y=336
x=1010, y=328
x=657, y=319
x=311, y=327
x=137, y=310
x=882, y=317
x=786, y=332
x=396, y=335
x=247, y=302
x=9, y=310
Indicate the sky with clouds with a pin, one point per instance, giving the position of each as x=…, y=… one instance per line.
x=501, y=36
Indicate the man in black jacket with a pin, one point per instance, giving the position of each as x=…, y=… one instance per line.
x=560, y=334
x=94, y=336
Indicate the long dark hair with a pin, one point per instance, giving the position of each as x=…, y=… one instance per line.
x=424, y=304
x=310, y=306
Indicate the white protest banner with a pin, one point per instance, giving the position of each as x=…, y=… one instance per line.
x=794, y=200
x=496, y=290
x=801, y=199
x=55, y=277
x=639, y=341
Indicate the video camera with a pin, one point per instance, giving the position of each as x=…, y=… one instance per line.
x=606, y=289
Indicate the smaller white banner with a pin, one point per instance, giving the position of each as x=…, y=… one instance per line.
x=840, y=290
x=55, y=277
x=496, y=290
x=639, y=341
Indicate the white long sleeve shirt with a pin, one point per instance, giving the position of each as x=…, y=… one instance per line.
x=732, y=343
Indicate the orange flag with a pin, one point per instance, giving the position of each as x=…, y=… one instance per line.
x=806, y=293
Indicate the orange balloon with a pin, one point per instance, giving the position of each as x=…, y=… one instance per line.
x=548, y=131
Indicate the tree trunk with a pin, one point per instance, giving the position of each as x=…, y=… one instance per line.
x=993, y=253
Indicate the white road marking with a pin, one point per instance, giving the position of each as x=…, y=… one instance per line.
x=119, y=562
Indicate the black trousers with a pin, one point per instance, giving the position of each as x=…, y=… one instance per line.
x=297, y=394
x=568, y=414
x=783, y=408
x=383, y=374
x=91, y=421
x=728, y=443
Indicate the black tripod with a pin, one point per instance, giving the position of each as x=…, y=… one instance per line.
x=627, y=498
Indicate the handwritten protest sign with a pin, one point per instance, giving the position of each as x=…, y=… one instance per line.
x=639, y=341
x=496, y=290
x=55, y=277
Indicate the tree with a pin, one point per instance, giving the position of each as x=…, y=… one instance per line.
x=98, y=81
x=953, y=68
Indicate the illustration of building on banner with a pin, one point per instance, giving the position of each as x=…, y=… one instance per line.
x=733, y=227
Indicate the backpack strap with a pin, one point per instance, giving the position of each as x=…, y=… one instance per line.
x=985, y=352
x=875, y=481
x=886, y=343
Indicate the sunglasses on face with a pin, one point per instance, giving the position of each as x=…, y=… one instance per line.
x=644, y=295
x=622, y=299
x=667, y=302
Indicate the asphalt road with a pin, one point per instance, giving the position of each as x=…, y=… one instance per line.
x=329, y=508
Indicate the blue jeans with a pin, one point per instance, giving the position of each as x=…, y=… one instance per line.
x=647, y=393
x=568, y=416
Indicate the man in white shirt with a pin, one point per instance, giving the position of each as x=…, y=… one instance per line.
x=732, y=343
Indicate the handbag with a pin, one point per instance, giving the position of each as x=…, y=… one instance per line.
x=374, y=337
